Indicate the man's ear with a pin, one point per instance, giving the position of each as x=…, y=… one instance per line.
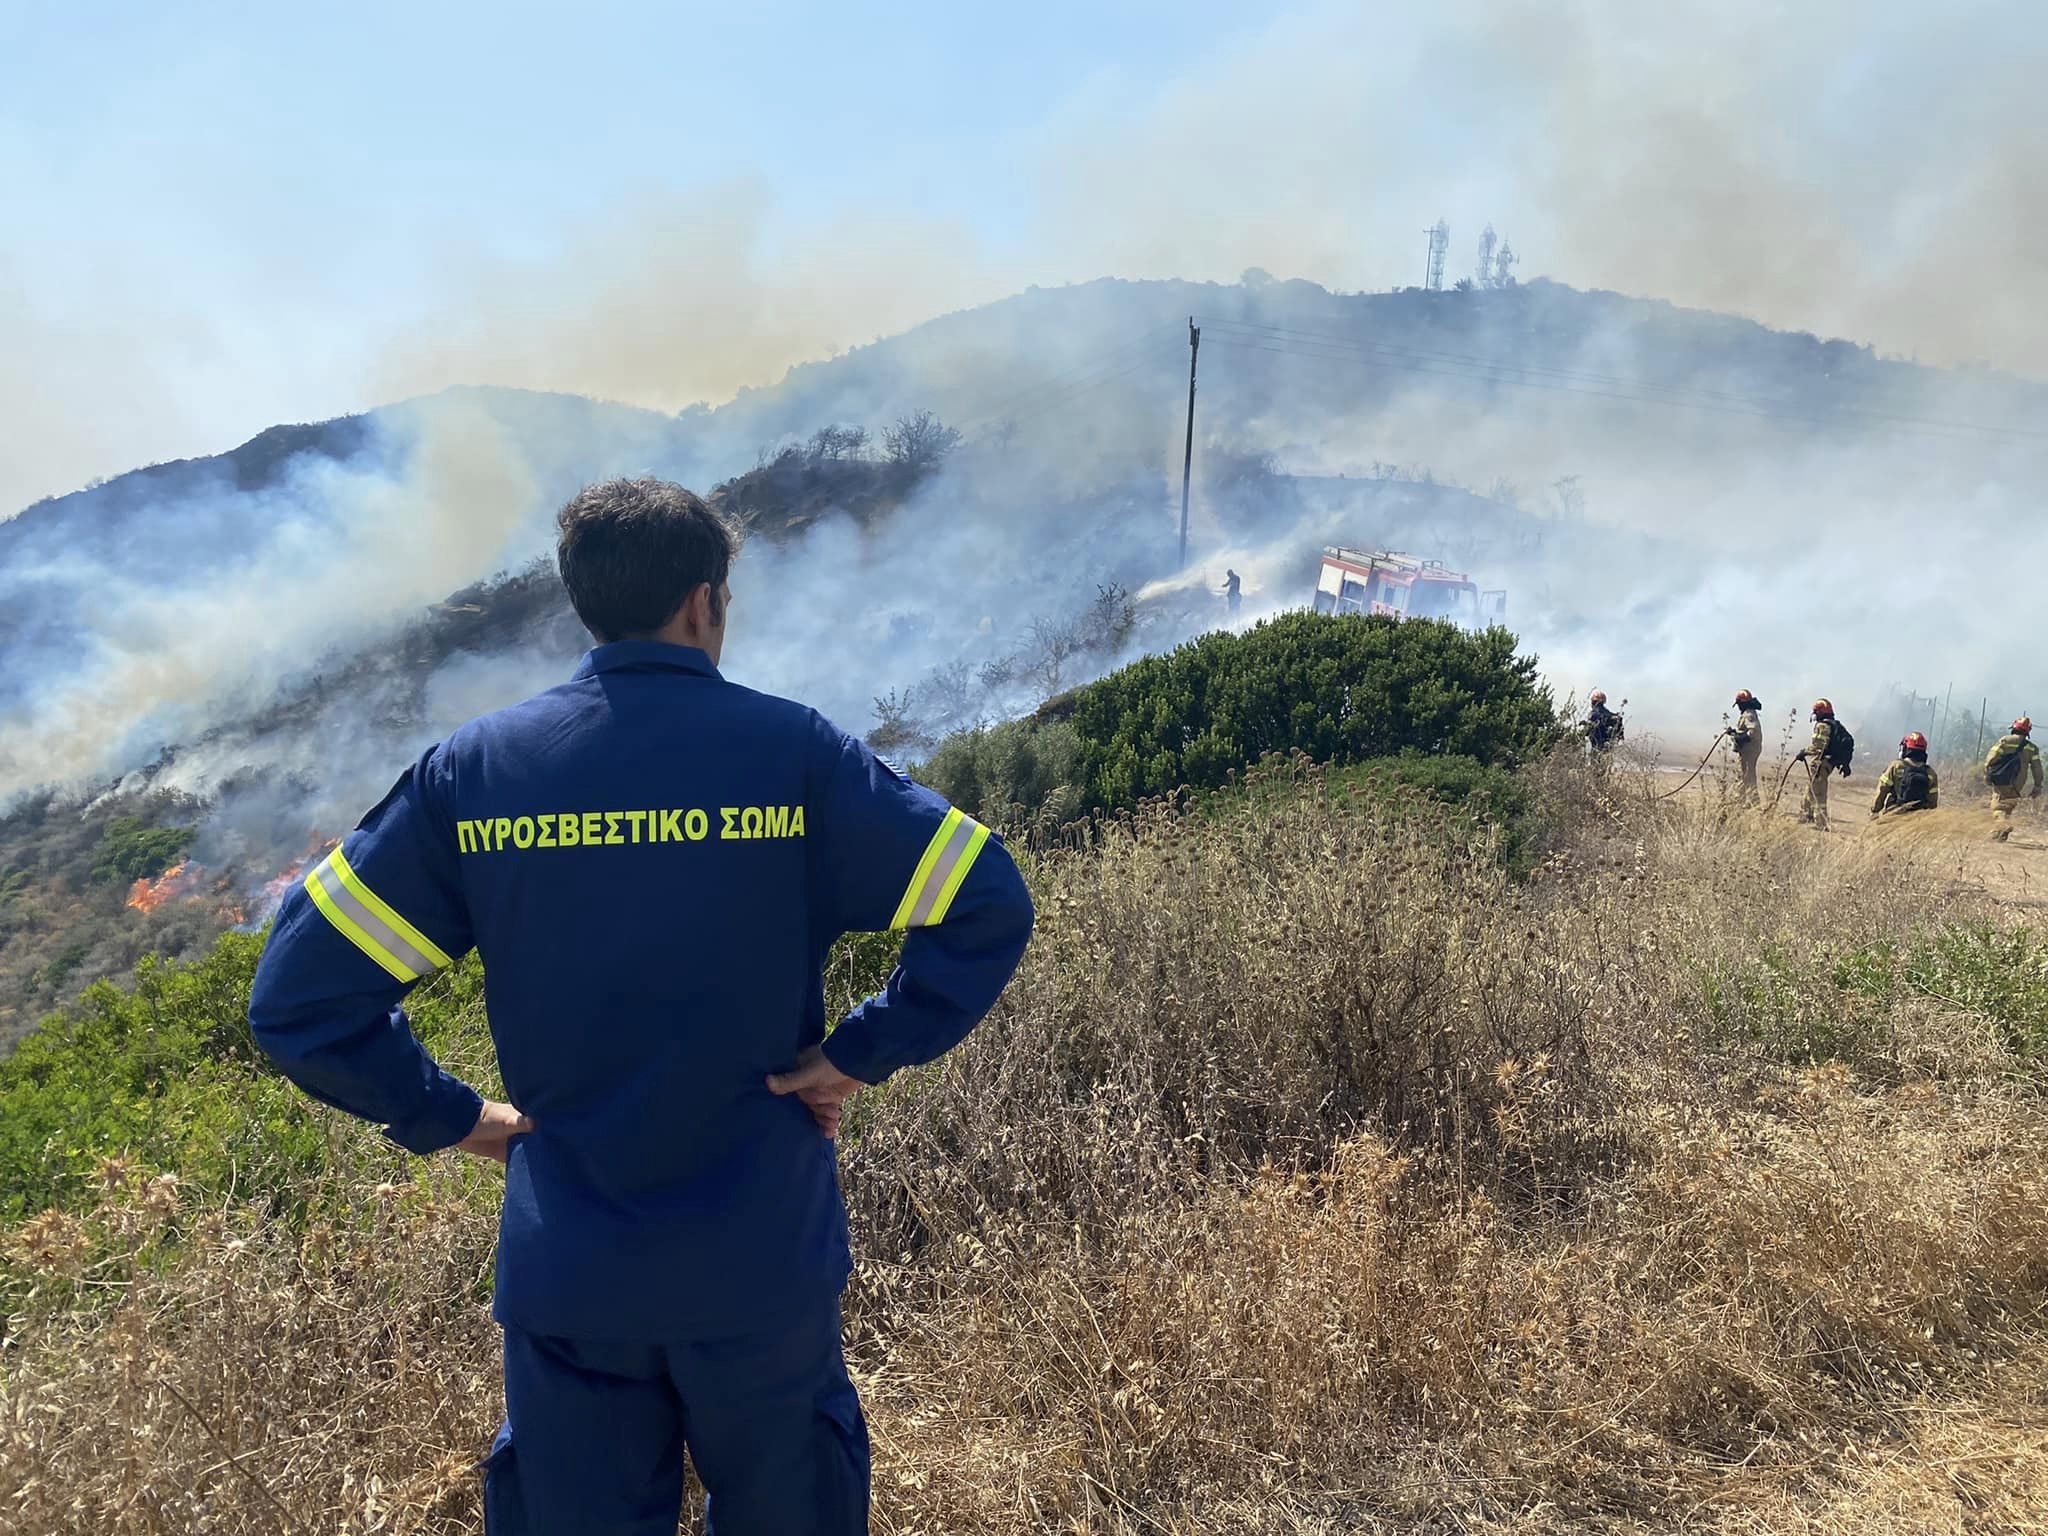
x=697, y=609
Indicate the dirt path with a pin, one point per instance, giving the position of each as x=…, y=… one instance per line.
x=1955, y=840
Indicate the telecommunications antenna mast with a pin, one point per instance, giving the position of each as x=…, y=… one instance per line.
x=1439, y=245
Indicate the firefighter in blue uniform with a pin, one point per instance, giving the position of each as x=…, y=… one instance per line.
x=652, y=863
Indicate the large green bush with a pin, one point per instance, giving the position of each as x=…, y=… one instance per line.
x=1339, y=690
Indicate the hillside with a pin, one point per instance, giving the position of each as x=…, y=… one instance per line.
x=1676, y=502
x=1523, y=385
x=239, y=806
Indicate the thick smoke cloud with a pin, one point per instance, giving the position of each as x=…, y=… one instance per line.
x=1874, y=173
x=327, y=558
x=1870, y=173
x=685, y=300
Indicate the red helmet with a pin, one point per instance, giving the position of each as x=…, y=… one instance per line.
x=1823, y=710
x=2022, y=726
x=1744, y=696
x=1601, y=698
x=1912, y=741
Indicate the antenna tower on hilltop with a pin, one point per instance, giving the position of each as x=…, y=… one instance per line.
x=1504, y=261
x=1439, y=244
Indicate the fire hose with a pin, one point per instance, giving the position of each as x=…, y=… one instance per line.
x=1780, y=790
x=1702, y=768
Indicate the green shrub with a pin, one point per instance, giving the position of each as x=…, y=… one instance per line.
x=132, y=849
x=1018, y=773
x=165, y=1071
x=1341, y=690
x=1791, y=1008
x=168, y=1072
x=1819, y=1008
x=2000, y=976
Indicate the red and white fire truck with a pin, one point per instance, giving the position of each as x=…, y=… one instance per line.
x=1403, y=587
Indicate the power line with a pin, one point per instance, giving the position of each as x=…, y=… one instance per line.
x=1250, y=336
x=1053, y=401
x=1326, y=338
x=1544, y=376
x=1063, y=385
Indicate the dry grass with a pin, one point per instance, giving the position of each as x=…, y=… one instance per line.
x=1313, y=1177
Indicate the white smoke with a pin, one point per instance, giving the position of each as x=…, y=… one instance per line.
x=339, y=550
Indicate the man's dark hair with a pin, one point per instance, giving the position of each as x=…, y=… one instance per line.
x=632, y=551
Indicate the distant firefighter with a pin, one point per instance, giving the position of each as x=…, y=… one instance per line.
x=1828, y=753
x=1603, y=727
x=2013, y=763
x=1747, y=733
x=1232, y=594
x=1909, y=784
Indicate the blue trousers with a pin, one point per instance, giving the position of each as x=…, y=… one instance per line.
x=595, y=1433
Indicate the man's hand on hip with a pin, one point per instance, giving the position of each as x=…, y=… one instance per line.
x=823, y=1088
x=495, y=1128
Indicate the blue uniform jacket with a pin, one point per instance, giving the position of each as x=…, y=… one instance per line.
x=652, y=863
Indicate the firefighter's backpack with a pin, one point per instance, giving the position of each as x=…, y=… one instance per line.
x=1841, y=745
x=2007, y=763
x=1914, y=782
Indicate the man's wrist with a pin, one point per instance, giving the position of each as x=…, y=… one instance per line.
x=853, y=1067
x=449, y=1115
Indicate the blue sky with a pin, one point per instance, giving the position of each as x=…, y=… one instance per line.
x=240, y=199
x=354, y=127
x=219, y=216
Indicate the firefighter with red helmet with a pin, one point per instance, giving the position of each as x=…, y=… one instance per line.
x=2014, y=764
x=1827, y=754
x=1747, y=733
x=1909, y=784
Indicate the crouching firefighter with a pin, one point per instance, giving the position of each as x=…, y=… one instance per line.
x=1828, y=753
x=1909, y=784
x=652, y=863
x=2013, y=767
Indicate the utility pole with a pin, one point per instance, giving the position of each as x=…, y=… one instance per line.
x=1187, y=463
x=1983, y=714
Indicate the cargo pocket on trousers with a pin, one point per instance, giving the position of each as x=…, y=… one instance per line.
x=843, y=1478
x=504, y=1512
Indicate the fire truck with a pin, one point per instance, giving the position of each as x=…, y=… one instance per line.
x=1403, y=587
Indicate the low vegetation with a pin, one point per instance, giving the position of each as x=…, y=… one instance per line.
x=1315, y=1175
x=67, y=873
x=1337, y=690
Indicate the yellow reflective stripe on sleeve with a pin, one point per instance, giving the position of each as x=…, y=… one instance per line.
x=937, y=846
x=369, y=923
x=418, y=942
x=959, y=875
x=947, y=858
x=350, y=931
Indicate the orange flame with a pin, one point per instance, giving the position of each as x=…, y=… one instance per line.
x=279, y=886
x=181, y=879
x=274, y=889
